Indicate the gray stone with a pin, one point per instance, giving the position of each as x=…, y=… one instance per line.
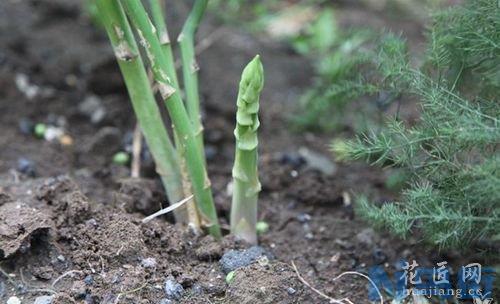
x=93, y=108
x=173, y=289
x=105, y=138
x=148, y=263
x=13, y=300
x=367, y=236
x=234, y=259
x=44, y=300
x=318, y=161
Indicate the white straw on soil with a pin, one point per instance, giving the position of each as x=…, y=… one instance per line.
x=167, y=210
x=332, y=300
x=136, y=152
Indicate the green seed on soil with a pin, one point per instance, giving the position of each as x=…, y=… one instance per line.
x=40, y=129
x=262, y=227
x=121, y=158
x=230, y=277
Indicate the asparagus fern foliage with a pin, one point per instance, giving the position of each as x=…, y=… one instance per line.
x=245, y=176
x=452, y=152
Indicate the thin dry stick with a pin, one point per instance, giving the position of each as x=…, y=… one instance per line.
x=332, y=300
x=136, y=152
x=355, y=273
x=130, y=291
x=8, y=277
x=167, y=210
x=71, y=272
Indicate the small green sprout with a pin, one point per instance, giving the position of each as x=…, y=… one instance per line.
x=121, y=158
x=40, y=129
x=262, y=227
x=230, y=277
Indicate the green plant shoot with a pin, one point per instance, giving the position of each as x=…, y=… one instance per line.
x=178, y=114
x=245, y=173
x=141, y=95
x=190, y=68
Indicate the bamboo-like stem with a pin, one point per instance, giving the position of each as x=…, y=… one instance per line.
x=141, y=96
x=246, y=185
x=160, y=23
x=190, y=68
x=178, y=114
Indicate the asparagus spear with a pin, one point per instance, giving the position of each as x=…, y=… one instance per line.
x=141, y=95
x=178, y=114
x=163, y=35
x=190, y=68
x=245, y=174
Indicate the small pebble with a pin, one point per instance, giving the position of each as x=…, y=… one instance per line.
x=66, y=140
x=89, y=280
x=234, y=259
x=379, y=256
x=92, y=222
x=303, y=217
x=197, y=289
x=61, y=258
x=89, y=299
x=210, y=152
x=53, y=133
x=44, y=300
x=214, y=136
x=26, y=166
x=148, y=263
x=318, y=162
x=293, y=159
x=366, y=236
x=26, y=126
x=93, y=108
x=291, y=291
x=173, y=289
x=165, y=301
x=13, y=300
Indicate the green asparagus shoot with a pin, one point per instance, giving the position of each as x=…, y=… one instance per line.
x=141, y=96
x=180, y=120
x=190, y=68
x=245, y=173
x=191, y=214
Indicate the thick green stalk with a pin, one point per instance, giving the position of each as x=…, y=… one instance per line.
x=141, y=95
x=180, y=119
x=246, y=185
x=160, y=23
x=162, y=32
x=190, y=68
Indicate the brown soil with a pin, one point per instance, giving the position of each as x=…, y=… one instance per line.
x=74, y=229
